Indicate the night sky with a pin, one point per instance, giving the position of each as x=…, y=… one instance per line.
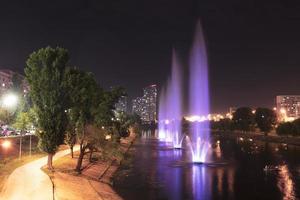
x=253, y=46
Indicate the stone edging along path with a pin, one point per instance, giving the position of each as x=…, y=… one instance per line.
x=94, y=183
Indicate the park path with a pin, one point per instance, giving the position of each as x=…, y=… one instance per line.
x=29, y=182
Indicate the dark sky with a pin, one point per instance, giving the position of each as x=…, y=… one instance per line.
x=253, y=46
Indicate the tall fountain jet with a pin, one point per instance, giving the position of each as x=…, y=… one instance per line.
x=199, y=96
x=170, y=107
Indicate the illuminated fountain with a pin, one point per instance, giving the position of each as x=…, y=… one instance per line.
x=199, y=97
x=169, y=116
x=162, y=117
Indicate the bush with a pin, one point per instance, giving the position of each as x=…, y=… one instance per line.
x=286, y=128
x=297, y=127
x=223, y=125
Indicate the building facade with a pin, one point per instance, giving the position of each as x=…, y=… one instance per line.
x=146, y=106
x=6, y=80
x=288, y=107
x=150, y=98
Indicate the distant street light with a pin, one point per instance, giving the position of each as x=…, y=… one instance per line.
x=10, y=100
x=6, y=144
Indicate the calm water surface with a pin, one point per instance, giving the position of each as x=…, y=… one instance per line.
x=152, y=170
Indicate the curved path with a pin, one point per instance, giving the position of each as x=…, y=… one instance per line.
x=29, y=182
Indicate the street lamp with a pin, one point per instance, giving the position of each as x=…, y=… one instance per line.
x=6, y=144
x=10, y=100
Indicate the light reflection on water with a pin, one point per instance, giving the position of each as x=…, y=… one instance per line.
x=285, y=183
x=200, y=184
x=170, y=174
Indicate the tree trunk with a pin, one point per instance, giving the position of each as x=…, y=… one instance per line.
x=91, y=154
x=20, y=150
x=50, y=157
x=80, y=158
x=72, y=152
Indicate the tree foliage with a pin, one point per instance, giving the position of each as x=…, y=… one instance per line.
x=265, y=119
x=289, y=128
x=84, y=95
x=45, y=73
x=243, y=118
x=104, y=114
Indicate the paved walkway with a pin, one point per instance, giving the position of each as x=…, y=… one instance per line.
x=29, y=182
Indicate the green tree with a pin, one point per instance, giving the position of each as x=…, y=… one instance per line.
x=286, y=128
x=265, y=119
x=45, y=73
x=243, y=118
x=122, y=123
x=104, y=114
x=297, y=127
x=6, y=116
x=136, y=123
x=84, y=95
x=223, y=125
x=22, y=123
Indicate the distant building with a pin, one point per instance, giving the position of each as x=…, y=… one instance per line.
x=146, y=106
x=138, y=106
x=6, y=80
x=288, y=107
x=121, y=106
x=150, y=98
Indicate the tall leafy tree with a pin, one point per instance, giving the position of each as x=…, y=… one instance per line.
x=243, y=118
x=45, y=73
x=265, y=119
x=105, y=114
x=84, y=95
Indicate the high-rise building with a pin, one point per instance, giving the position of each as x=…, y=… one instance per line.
x=6, y=80
x=150, y=98
x=146, y=106
x=121, y=106
x=138, y=106
x=288, y=106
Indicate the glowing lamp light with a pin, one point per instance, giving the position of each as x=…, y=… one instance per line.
x=6, y=144
x=9, y=100
x=108, y=137
x=282, y=111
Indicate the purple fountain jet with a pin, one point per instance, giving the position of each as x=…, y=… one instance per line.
x=170, y=108
x=199, y=96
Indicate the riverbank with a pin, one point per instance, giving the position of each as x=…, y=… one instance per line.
x=94, y=182
x=259, y=136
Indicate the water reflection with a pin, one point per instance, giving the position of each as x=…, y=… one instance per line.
x=199, y=186
x=285, y=183
x=160, y=172
x=217, y=150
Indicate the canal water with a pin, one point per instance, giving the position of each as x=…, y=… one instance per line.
x=153, y=170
